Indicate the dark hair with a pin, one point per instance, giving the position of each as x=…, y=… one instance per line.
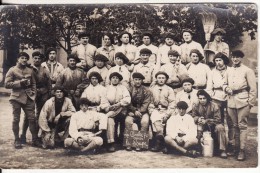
x=49, y=50
x=110, y=36
x=84, y=101
x=120, y=36
x=204, y=93
x=182, y=105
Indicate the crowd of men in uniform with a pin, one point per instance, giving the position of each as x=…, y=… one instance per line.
x=104, y=91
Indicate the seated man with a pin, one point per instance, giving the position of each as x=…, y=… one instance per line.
x=206, y=114
x=181, y=131
x=82, y=126
x=162, y=106
x=138, y=109
x=54, y=118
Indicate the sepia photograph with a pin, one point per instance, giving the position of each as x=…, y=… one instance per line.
x=129, y=85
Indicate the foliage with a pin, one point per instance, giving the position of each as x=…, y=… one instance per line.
x=45, y=25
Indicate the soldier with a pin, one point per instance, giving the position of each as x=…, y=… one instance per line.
x=55, y=117
x=206, y=114
x=145, y=67
x=95, y=92
x=188, y=45
x=187, y=94
x=181, y=131
x=162, y=106
x=55, y=68
x=108, y=50
x=43, y=88
x=240, y=85
x=118, y=98
x=85, y=51
x=147, y=39
x=124, y=40
x=82, y=128
x=71, y=77
x=21, y=80
x=100, y=62
x=170, y=41
x=138, y=109
x=175, y=70
x=199, y=72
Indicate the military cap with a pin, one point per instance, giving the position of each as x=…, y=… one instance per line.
x=23, y=54
x=116, y=74
x=238, y=53
x=49, y=50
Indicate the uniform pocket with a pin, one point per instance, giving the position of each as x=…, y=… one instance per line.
x=243, y=95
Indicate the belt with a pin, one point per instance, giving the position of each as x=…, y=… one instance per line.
x=199, y=87
x=218, y=88
x=86, y=130
x=240, y=90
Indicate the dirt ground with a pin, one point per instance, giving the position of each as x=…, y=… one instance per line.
x=30, y=157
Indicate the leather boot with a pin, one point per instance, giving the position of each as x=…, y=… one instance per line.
x=242, y=155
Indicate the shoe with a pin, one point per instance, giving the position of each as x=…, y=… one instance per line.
x=23, y=139
x=241, y=155
x=165, y=150
x=223, y=154
x=129, y=148
x=191, y=153
x=111, y=148
x=36, y=143
x=137, y=149
x=17, y=144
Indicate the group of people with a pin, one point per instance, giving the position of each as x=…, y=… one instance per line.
x=104, y=91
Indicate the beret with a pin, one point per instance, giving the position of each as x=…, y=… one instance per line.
x=238, y=53
x=116, y=74
x=148, y=34
x=49, y=50
x=138, y=75
x=73, y=56
x=222, y=56
x=217, y=30
x=170, y=35
x=122, y=56
x=182, y=105
x=83, y=34
x=198, y=53
x=97, y=75
x=84, y=101
x=145, y=51
x=190, y=80
x=101, y=58
x=23, y=54
x=162, y=73
x=39, y=54
x=173, y=52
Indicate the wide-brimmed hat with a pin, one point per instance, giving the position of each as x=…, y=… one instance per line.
x=201, y=57
x=122, y=56
x=222, y=56
x=218, y=30
x=116, y=74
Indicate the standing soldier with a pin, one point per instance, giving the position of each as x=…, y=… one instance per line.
x=147, y=43
x=170, y=41
x=21, y=80
x=240, y=85
x=85, y=52
x=138, y=109
x=70, y=78
x=199, y=72
x=43, y=87
x=162, y=106
x=188, y=45
x=52, y=66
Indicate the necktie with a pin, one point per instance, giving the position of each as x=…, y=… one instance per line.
x=120, y=70
x=52, y=69
x=170, y=47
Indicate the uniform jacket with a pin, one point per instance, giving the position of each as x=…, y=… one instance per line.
x=13, y=79
x=43, y=80
x=240, y=78
x=48, y=112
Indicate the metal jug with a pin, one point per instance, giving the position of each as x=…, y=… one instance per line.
x=207, y=144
